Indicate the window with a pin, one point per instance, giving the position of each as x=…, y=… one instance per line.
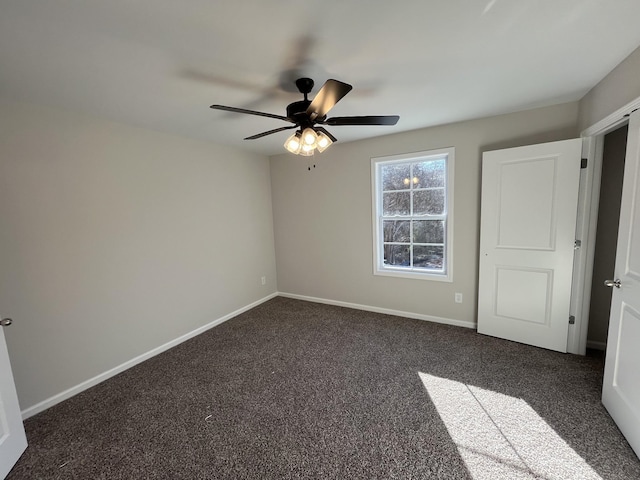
x=412, y=209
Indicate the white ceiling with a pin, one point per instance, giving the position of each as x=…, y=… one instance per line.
x=159, y=64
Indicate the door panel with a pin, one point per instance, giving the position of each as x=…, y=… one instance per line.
x=523, y=294
x=621, y=386
x=535, y=196
x=527, y=234
x=12, y=437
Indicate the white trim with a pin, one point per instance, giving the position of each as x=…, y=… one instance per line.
x=590, y=224
x=593, y=146
x=585, y=232
x=51, y=401
x=378, y=268
x=386, y=311
x=597, y=345
x=612, y=121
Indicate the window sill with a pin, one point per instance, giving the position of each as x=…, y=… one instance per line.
x=435, y=277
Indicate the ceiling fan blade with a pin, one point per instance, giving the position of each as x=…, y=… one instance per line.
x=264, y=134
x=326, y=132
x=250, y=112
x=330, y=94
x=368, y=120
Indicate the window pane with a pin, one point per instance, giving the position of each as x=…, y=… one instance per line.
x=395, y=177
x=428, y=257
x=410, y=203
x=396, y=231
x=429, y=174
x=428, y=231
x=396, y=203
x=428, y=202
x=397, y=255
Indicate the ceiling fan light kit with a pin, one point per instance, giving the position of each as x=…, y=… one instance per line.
x=306, y=115
x=294, y=143
x=323, y=142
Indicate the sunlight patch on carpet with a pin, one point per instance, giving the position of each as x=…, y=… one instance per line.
x=502, y=437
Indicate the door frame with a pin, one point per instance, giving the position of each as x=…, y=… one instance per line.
x=588, y=199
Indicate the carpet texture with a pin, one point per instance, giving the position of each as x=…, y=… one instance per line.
x=293, y=389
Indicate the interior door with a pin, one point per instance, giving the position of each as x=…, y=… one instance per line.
x=621, y=386
x=13, y=440
x=527, y=237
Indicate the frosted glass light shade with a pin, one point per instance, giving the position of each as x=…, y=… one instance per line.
x=306, y=150
x=294, y=143
x=323, y=142
x=309, y=137
x=306, y=142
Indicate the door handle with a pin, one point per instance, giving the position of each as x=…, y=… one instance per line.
x=613, y=283
x=5, y=322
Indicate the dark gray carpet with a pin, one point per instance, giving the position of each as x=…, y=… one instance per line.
x=293, y=389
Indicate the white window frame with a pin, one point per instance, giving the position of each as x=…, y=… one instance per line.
x=446, y=275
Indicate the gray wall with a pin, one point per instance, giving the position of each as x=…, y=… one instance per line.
x=619, y=87
x=323, y=219
x=115, y=240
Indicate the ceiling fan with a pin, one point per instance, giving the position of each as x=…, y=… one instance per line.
x=308, y=116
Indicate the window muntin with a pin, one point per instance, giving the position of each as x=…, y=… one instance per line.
x=412, y=214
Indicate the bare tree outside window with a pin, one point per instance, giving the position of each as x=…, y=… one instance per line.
x=412, y=212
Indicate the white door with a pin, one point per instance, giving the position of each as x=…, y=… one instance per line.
x=621, y=387
x=527, y=236
x=13, y=440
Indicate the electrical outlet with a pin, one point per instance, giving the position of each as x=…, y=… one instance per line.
x=458, y=297
x=264, y=280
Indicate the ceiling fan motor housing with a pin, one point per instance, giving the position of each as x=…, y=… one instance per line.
x=297, y=111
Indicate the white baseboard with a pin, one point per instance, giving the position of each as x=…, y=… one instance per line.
x=50, y=402
x=597, y=345
x=388, y=311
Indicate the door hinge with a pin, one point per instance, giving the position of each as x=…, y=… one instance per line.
x=577, y=244
x=583, y=163
x=572, y=319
